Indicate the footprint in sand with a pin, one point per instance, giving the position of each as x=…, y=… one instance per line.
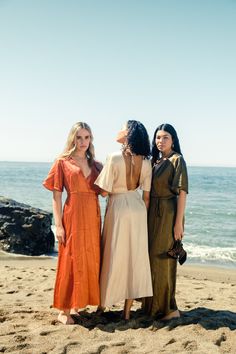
x=19, y=338
x=190, y=345
x=119, y=344
x=22, y=346
x=222, y=338
x=12, y=291
x=48, y=289
x=171, y=341
x=210, y=298
x=45, y=333
x=24, y=311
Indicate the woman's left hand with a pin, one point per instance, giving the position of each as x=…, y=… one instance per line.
x=178, y=231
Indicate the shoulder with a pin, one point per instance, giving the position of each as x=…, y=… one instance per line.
x=147, y=164
x=60, y=160
x=114, y=157
x=177, y=159
x=57, y=162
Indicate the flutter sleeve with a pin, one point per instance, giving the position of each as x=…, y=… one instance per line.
x=106, y=176
x=54, y=180
x=180, y=180
x=146, y=176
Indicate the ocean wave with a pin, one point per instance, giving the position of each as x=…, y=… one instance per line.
x=211, y=255
x=17, y=256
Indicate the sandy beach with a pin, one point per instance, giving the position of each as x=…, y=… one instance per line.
x=206, y=297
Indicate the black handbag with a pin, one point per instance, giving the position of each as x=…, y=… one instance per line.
x=177, y=252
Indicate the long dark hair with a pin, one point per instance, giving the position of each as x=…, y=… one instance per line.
x=138, y=139
x=171, y=130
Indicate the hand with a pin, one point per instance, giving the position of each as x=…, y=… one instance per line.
x=178, y=232
x=60, y=234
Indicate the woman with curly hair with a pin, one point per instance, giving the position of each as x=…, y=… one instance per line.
x=77, y=224
x=125, y=272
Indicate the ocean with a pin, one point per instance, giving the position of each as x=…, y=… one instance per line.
x=210, y=218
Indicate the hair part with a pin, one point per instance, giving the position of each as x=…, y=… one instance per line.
x=171, y=130
x=138, y=139
x=71, y=146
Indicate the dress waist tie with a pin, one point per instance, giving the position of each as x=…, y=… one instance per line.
x=157, y=202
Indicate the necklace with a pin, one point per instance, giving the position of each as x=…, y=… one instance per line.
x=164, y=158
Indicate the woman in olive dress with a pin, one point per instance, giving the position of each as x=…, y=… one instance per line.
x=165, y=219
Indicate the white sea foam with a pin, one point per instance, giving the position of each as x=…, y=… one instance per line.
x=206, y=254
x=210, y=227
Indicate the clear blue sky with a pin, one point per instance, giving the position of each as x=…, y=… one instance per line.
x=105, y=62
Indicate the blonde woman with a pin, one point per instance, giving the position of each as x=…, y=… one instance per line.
x=77, y=224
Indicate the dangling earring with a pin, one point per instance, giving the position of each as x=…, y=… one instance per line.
x=124, y=146
x=173, y=145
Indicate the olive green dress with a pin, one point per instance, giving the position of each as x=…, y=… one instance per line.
x=169, y=177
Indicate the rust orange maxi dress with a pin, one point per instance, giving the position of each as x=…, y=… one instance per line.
x=77, y=279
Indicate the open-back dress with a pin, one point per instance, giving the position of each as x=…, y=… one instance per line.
x=125, y=272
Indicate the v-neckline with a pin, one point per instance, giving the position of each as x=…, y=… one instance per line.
x=158, y=168
x=81, y=171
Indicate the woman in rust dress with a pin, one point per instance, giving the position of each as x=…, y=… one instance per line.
x=77, y=224
x=165, y=219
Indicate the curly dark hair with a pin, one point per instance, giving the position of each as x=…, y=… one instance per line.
x=171, y=130
x=138, y=139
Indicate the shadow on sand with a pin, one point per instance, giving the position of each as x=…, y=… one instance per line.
x=111, y=321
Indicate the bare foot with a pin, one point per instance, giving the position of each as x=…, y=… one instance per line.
x=65, y=318
x=125, y=317
x=174, y=314
x=74, y=312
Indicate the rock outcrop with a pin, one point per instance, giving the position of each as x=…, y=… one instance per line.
x=24, y=229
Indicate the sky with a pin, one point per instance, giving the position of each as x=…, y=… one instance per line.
x=104, y=62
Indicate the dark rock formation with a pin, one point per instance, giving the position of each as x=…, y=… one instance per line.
x=24, y=229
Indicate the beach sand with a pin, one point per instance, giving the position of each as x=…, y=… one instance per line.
x=206, y=297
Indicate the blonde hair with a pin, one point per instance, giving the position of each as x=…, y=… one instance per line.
x=71, y=146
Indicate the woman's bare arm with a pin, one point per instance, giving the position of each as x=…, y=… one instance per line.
x=178, y=228
x=57, y=212
x=146, y=198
